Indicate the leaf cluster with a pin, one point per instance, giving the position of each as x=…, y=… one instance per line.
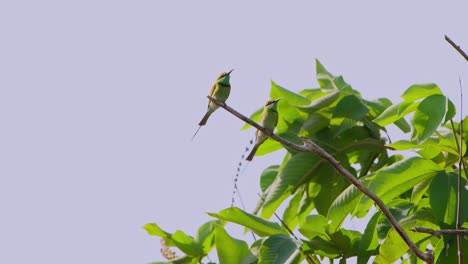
x=415, y=177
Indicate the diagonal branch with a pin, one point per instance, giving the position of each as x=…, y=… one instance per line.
x=310, y=146
x=455, y=46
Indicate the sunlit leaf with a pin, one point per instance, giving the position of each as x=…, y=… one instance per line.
x=287, y=95
x=230, y=250
x=276, y=249
x=419, y=91
x=428, y=116
x=258, y=225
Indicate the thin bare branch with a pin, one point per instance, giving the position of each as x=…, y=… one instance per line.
x=459, y=190
x=455, y=46
x=443, y=232
x=310, y=146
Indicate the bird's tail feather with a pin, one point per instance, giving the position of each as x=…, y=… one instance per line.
x=205, y=118
x=252, y=153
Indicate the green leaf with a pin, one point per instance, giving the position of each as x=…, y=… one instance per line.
x=451, y=111
x=254, y=253
x=285, y=94
x=205, y=235
x=344, y=204
x=315, y=123
x=351, y=107
x=267, y=147
x=258, y=225
x=254, y=117
x=187, y=244
x=370, y=240
x=290, y=216
x=443, y=199
x=404, y=145
x=419, y=190
x=386, y=183
x=398, y=178
x=268, y=176
x=322, y=247
x=395, y=113
x=419, y=91
x=299, y=165
x=313, y=226
x=429, y=116
x=394, y=247
x=154, y=230
x=320, y=103
x=347, y=241
x=276, y=249
x=230, y=250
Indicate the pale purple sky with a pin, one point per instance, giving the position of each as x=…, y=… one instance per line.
x=98, y=101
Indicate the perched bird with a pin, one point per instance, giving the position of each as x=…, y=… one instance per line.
x=269, y=120
x=220, y=91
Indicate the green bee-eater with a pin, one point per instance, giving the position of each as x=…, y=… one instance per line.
x=269, y=120
x=220, y=91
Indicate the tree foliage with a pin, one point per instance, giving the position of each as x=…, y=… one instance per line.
x=416, y=177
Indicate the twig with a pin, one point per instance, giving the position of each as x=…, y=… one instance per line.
x=443, y=232
x=310, y=146
x=459, y=189
x=455, y=46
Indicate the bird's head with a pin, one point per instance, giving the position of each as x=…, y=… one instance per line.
x=224, y=78
x=272, y=103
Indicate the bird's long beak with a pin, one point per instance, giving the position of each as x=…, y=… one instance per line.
x=277, y=100
x=229, y=72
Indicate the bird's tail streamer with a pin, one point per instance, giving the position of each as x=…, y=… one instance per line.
x=239, y=172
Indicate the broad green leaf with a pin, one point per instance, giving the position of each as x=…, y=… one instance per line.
x=285, y=94
x=351, y=107
x=254, y=253
x=347, y=241
x=314, y=225
x=447, y=251
x=230, y=250
x=205, y=235
x=258, y=225
x=394, y=247
x=386, y=183
x=327, y=100
x=451, y=111
x=343, y=205
x=419, y=190
x=322, y=247
x=276, y=249
x=428, y=116
x=268, y=176
x=187, y=244
x=312, y=94
x=297, y=167
x=154, y=230
x=290, y=216
x=395, y=112
x=398, y=178
x=324, y=78
x=443, y=199
x=370, y=240
x=267, y=147
x=404, y=145
x=315, y=123
x=418, y=91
